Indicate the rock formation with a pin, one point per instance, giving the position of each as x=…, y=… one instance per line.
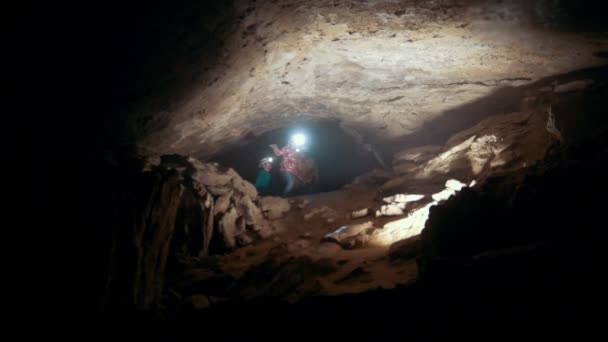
x=180, y=208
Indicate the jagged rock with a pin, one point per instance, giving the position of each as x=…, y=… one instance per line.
x=222, y=203
x=142, y=245
x=417, y=154
x=200, y=189
x=274, y=207
x=264, y=230
x=359, y=240
x=454, y=185
x=208, y=202
x=227, y=228
x=198, y=301
x=573, y=86
x=219, y=190
x=240, y=225
x=205, y=175
x=200, y=165
x=406, y=248
x=252, y=214
x=243, y=186
x=207, y=226
x=389, y=210
x=172, y=216
x=347, y=231
x=551, y=126
x=360, y=213
x=402, y=228
x=443, y=195
x=244, y=240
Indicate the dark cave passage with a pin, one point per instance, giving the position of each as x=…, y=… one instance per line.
x=460, y=149
x=338, y=156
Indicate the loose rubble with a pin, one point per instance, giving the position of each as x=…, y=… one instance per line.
x=360, y=213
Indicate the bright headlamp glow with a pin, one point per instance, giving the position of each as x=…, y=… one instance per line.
x=298, y=139
x=270, y=159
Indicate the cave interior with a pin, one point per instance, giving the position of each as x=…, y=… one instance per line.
x=469, y=136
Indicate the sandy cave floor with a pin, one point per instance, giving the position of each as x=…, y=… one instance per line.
x=357, y=269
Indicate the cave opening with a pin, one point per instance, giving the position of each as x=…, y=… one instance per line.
x=338, y=156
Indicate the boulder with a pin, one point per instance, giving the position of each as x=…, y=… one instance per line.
x=244, y=187
x=244, y=239
x=390, y=210
x=402, y=198
x=251, y=213
x=274, y=207
x=360, y=213
x=345, y=232
x=359, y=240
x=206, y=176
x=219, y=190
x=222, y=203
x=227, y=228
x=253, y=217
x=403, y=228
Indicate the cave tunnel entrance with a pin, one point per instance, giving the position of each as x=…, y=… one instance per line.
x=339, y=156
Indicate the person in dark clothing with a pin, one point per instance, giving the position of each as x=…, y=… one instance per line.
x=262, y=182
